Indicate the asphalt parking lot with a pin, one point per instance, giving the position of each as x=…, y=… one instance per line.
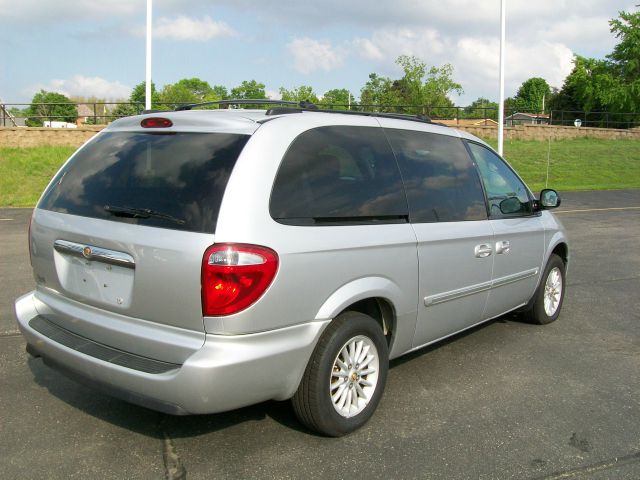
x=507, y=400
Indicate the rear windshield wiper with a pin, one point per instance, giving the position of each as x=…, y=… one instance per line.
x=132, y=212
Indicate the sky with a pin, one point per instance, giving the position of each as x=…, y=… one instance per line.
x=97, y=47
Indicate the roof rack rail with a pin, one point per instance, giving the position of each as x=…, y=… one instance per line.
x=398, y=116
x=306, y=105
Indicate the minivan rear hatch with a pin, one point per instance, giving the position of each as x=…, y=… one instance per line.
x=124, y=224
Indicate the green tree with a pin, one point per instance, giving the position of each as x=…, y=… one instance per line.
x=124, y=110
x=419, y=89
x=377, y=93
x=592, y=86
x=482, y=108
x=220, y=91
x=249, y=90
x=38, y=112
x=338, y=99
x=612, y=84
x=625, y=58
x=303, y=93
x=532, y=94
x=136, y=101
x=138, y=95
x=624, y=63
x=187, y=90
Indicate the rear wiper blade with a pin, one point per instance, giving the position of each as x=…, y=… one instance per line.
x=133, y=212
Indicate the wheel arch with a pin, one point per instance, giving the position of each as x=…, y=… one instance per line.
x=562, y=250
x=373, y=296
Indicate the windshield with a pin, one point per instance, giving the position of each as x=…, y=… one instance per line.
x=169, y=180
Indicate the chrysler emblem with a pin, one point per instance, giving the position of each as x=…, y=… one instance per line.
x=86, y=251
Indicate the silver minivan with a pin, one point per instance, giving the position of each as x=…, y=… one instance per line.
x=198, y=261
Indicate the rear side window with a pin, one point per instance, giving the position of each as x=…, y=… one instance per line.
x=169, y=180
x=441, y=181
x=339, y=175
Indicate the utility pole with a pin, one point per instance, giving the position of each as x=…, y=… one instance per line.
x=503, y=22
x=147, y=91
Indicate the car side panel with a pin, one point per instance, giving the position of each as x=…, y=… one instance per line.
x=454, y=282
x=516, y=271
x=315, y=261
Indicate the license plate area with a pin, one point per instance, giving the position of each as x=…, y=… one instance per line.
x=91, y=279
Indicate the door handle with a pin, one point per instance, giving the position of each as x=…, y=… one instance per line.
x=503, y=246
x=483, y=250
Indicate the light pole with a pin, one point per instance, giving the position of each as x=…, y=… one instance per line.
x=147, y=91
x=502, y=52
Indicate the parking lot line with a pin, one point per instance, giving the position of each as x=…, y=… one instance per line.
x=598, y=210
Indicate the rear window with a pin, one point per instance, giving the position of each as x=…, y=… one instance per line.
x=170, y=180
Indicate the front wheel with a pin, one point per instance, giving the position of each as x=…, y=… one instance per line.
x=547, y=301
x=345, y=377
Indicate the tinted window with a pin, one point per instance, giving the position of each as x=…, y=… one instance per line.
x=177, y=178
x=442, y=183
x=500, y=183
x=338, y=174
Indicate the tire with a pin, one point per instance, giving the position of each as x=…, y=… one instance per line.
x=551, y=290
x=345, y=337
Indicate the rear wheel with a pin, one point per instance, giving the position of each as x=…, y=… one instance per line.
x=345, y=377
x=547, y=301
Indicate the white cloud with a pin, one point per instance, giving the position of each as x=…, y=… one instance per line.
x=39, y=12
x=185, y=28
x=368, y=49
x=273, y=95
x=387, y=44
x=82, y=86
x=476, y=61
x=541, y=36
x=311, y=55
x=549, y=60
x=584, y=33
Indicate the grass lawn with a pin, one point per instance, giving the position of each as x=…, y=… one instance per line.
x=578, y=164
x=25, y=172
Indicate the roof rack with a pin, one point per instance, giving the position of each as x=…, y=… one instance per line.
x=305, y=105
x=397, y=116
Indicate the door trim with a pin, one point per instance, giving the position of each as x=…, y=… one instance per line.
x=480, y=287
x=516, y=277
x=455, y=294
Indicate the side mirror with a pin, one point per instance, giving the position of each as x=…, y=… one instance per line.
x=549, y=199
x=510, y=205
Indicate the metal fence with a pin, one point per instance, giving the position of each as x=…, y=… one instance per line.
x=100, y=113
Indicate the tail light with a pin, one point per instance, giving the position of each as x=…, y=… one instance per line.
x=234, y=276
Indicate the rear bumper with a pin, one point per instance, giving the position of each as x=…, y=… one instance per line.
x=227, y=372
